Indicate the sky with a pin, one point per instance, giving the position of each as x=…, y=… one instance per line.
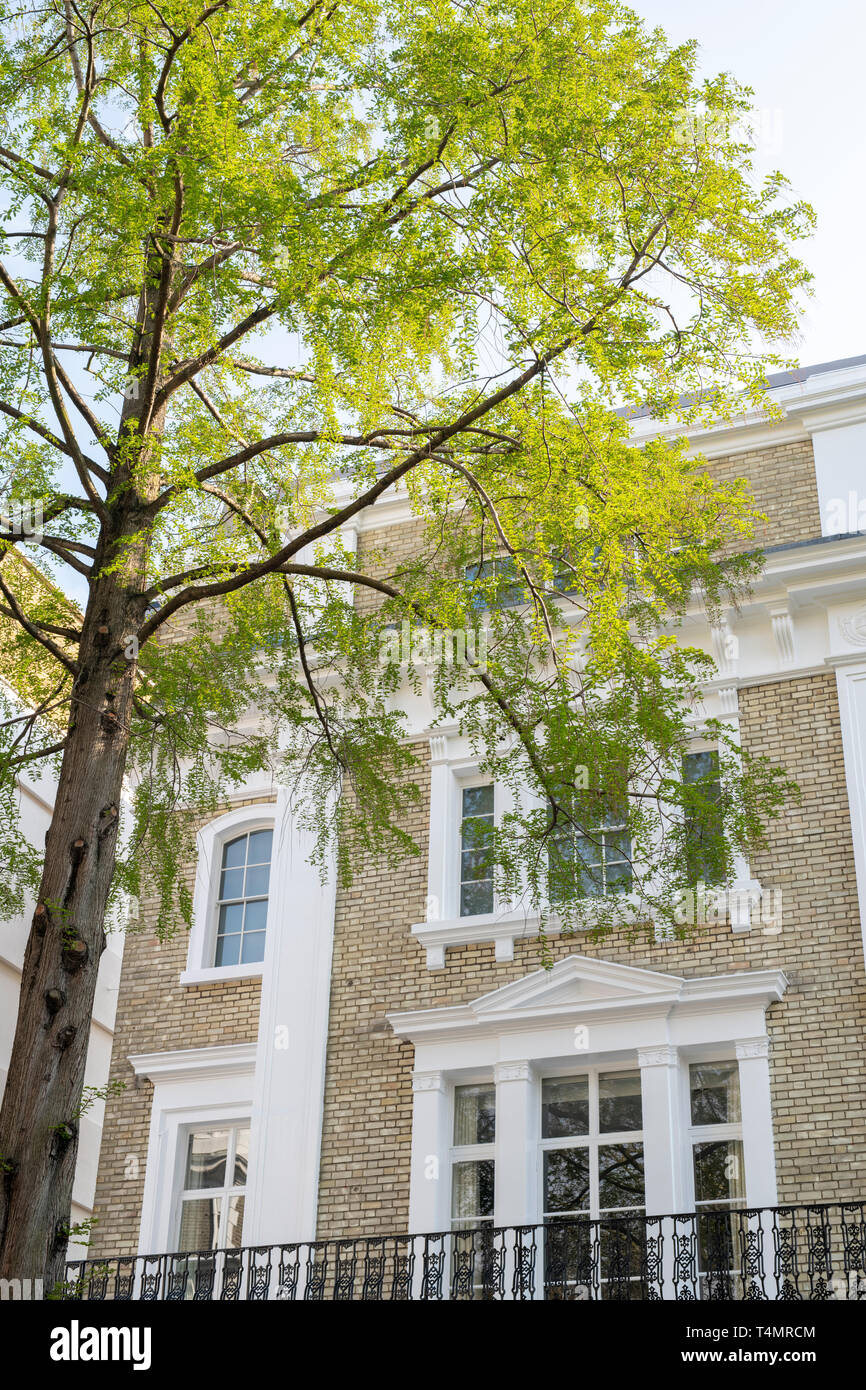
x=805, y=63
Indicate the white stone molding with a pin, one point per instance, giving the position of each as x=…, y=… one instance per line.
x=588, y=1012
x=851, y=689
x=512, y=1071
x=502, y=928
x=783, y=634
x=757, y=1119
x=428, y=1081
x=192, y=1087
x=725, y=648
x=852, y=626
x=664, y=1056
x=729, y=701
x=288, y=1101
x=202, y=937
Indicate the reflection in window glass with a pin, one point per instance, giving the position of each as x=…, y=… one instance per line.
x=620, y=1176
x=594, y=863
x=619, y=1102
x=715, y=1093
x=476, y=844
x=472, y=1192
x=216, y=1162
x=206, y=1158
x=704, y=823
x=242, y=903
x=566, y=1181
x=474, y=1114
x=564, y=1107
x=719, y=1174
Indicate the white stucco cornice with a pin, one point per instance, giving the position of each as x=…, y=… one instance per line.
x=583, y=989
x=195, y=1063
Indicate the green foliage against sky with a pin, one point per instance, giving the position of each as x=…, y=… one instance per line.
x=261, y=264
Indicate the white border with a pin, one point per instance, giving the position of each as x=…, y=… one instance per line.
x=202, y=937
x=197, y=1086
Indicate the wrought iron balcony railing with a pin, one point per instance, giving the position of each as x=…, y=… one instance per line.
x=767, y=1253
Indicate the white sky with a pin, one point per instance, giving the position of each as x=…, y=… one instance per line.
x=806, y=61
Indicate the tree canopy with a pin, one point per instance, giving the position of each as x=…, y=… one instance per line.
x=262, y=265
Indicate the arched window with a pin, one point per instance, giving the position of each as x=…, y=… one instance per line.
x=242, y=898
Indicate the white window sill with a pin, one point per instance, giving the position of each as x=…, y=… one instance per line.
x=499, y=927
x=503, y=927
x=214, y=973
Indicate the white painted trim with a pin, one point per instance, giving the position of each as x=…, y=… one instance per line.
x=202, y=936
x=195, y=1086
x=851, y=688
x=291, y=1053
x=582, y=1014
x=582, y=987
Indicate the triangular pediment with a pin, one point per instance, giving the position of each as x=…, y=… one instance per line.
x=576, y=981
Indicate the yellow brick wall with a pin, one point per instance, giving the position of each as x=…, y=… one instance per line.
x=818, y=1065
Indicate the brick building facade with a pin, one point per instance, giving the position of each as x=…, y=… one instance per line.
x=339, y=1067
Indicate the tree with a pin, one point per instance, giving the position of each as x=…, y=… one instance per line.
x=263, y=264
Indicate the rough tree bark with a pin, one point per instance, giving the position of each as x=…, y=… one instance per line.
x=67, y=938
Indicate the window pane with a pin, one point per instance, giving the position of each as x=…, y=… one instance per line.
x=235, y=1223
x=715, y=1089
x=620, y=1176
x=475, y=866
x=242, y=1154
x=566, y=1180
x=619, y=1102
x=476, y=871
x=701, y=767
x=474, y=1114
x=260, y=847
x=472, y=1189
x=256, y=916
x=232, y=883
x=257, y=881
x=231, y=918
x=719, y=1175
x=199, y=1224
x=564, y=1107
x=252, y=949
x=235, y=852
x=704, y=826
x=206, y=1159
x=476, y=898
x=228, y=950
x=478, y=801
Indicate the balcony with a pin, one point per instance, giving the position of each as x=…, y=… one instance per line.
x=794, y=1253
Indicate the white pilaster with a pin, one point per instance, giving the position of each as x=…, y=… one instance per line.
x=517, y=1120
x=430, y=1179
x=758, y=1154
x=293, y=1029
x=441, y=860
x=851, y=686
x=662, y=1146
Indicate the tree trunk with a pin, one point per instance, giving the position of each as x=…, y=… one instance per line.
x=39, y=1121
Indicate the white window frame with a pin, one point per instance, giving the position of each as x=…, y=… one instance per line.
x=466, y=783
x=211, y=840
x=192, y=1089
x=616, y=1015
x=468, y=1153
x=224, y=1193
x=593, y=1139
x=707, y=1134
